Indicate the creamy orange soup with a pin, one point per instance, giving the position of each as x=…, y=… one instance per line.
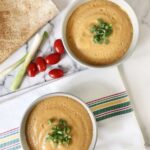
x=80, y=39
x=59, y=107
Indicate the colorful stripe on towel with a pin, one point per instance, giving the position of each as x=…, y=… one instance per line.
x=103, y=108
x=110, y=106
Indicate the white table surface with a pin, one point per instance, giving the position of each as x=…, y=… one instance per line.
x=136, y=71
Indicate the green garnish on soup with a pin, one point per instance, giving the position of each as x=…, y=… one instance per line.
x=61, y=132
x=101, y=32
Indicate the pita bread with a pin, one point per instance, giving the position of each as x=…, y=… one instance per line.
x=19, y=20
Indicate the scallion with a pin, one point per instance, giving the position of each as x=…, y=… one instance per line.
x=34, y=47
x=12, y=67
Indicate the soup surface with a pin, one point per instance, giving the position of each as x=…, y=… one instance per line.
x=59, y=107
x=80, y=39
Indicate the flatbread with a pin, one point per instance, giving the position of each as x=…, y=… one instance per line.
x=19, y=20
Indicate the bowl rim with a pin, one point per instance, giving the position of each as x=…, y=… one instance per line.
x=134, y=21
x=23, y=140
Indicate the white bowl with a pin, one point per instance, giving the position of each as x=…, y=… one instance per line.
x=25, y=116
x=126, y=7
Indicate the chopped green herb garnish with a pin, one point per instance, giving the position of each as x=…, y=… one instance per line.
x=49, y=121
x=60, y=133
x=101, y=32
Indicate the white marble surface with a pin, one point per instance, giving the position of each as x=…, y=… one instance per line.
x=67, y=64
x=136, y=70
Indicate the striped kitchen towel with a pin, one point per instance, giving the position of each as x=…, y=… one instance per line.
x=103, y=108
x=104, y=94
x=110, y=106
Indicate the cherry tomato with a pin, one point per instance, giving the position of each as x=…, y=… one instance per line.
x=52, y=59
x=59, y=47
x=56, y=73
x=32, y=69
x=41, y=64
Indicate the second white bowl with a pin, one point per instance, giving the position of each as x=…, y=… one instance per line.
x=28, y=111
x=126, y=7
